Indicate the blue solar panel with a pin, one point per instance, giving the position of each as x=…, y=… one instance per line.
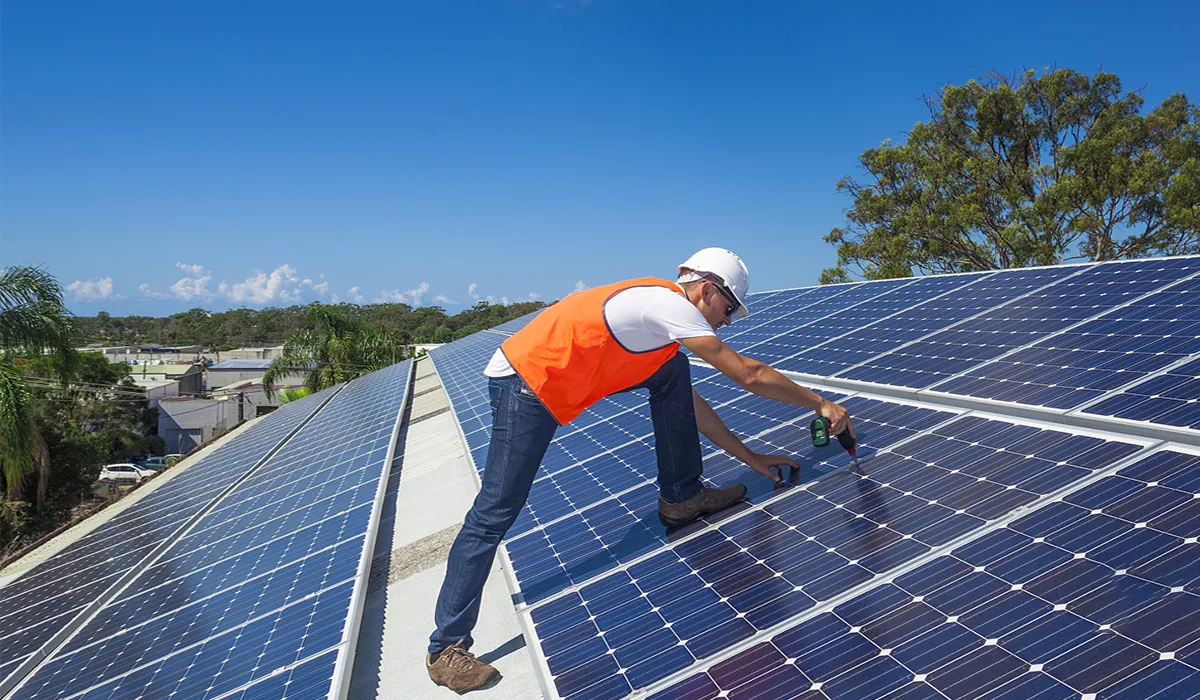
x=812, y=544
x=510, y=327
x=1086, y=362
x=800, y=349
x=38, y=608
x=766, y=337
x=1170, y=398
x=271, y=576
x=1024, y=320
x=1094, y=596
x=620, y=605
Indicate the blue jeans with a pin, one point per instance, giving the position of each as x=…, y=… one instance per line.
x=522, y=429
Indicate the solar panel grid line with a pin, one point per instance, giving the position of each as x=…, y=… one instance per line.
x=90, y=643
x=1019, y=323
x=1181, y=362
x=150, y=509
x=17, y=675
x=1180, y=283
x=702, y=619
x=366, y=416
x=313, y=687
x=747, y=512
x=1073, y=419
x=1083, y=267
x=1087, y=615
x=232, y=631
x=873, y=293
x=866, y=327
x=1148, y=448
x=345, y=661
x=784, y=309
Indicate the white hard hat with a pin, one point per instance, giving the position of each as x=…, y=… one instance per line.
x=726, y=265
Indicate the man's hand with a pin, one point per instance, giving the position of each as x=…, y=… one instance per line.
x=839, y=420
x=767, y=464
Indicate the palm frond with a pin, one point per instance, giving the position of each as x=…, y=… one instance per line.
x=22, y=284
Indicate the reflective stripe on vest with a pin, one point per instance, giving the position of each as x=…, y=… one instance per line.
x=569, y=357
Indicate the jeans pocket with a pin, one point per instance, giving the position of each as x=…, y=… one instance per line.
x=522, y=391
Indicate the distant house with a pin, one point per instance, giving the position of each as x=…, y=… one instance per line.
x=190, y=378
x=186, y=423
x=232, y=371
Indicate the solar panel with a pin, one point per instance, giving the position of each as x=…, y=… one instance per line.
x=1093, y=595
x=268, y=581
x=869, y=337
x=614, y=604
x=1170, y=398
x=510, y=327
x=1026, y=319
x=818, y=541
x=39, y=609
x=1087, y=361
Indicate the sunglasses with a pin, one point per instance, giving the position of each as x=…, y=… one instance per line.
x=719, y=283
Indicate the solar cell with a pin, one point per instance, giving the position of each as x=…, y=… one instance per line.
x=766, y=338
x=1094, y=595
x=878, y=335
x=1091, y=359
x=1169, y=398
x=756, y=571
x=798, y=348
x=510, y=327
x=38, y=609
x=1021, y=321
x=271, y=576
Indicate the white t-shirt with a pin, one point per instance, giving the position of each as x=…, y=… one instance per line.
x=641, y=319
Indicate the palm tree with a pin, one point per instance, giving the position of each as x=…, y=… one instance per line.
x=331, y=349
x=32, y=318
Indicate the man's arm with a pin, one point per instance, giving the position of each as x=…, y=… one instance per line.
x=713, y=428
x=760, y=378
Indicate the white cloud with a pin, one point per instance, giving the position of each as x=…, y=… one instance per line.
x=356, y=296
x=473, y=292
x=534, y=296
x=92, y=290
x=443, y=299
x=579, y=286
x=150, y=293
x=335, y=299
x=282, y=285
x=412, y=297
x=193, y=286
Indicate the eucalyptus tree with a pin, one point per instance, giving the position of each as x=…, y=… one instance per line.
x=1031, y=170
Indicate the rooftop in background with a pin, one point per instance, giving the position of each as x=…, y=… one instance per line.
x=241, y=364
x=171, y=370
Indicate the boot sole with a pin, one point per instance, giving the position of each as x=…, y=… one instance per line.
x=491, y=681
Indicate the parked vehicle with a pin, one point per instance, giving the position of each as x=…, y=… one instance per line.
x=125, y=472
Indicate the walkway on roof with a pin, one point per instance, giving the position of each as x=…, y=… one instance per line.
x=428, y=495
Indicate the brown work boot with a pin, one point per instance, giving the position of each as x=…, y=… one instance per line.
x=459, y=670
x=703, y=503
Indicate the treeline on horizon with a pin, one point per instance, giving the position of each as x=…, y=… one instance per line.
x=224, y=330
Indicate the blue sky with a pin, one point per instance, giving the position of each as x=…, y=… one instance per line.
x=157, y=156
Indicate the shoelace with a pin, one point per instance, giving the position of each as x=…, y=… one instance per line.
x=458, y=658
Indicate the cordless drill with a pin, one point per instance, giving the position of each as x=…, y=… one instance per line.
x=820, y=437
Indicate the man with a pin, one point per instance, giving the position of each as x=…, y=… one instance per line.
x=590, y=345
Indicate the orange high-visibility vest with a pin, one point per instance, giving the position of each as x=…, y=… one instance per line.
x=569, y=357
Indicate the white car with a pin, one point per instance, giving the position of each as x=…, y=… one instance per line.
x=125, y=472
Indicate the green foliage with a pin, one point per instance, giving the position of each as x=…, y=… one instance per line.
x=1035, y=170
x=271, y=326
